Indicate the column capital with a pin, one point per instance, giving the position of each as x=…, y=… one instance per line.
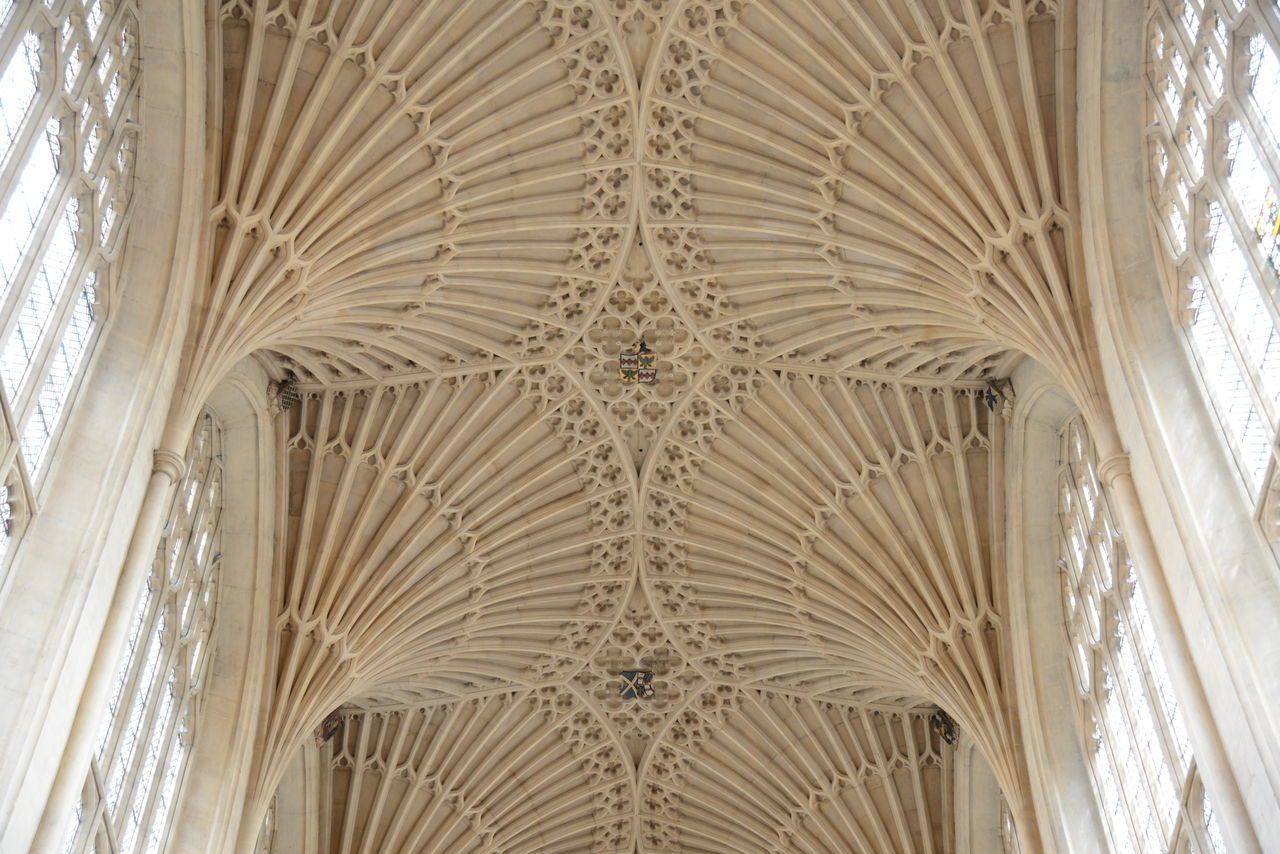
x=1113, y=467
x=169, y=463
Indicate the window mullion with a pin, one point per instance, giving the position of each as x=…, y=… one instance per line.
x=1138, y=708
x=1219, y=408
x=129, y=691
x=1132, y=738
x=1129, y=708
x=72, y=280
x=1247, y=361
x=173, y=737
x=1264, y=279
x=28, y=136
x=1155, y=696
x=92, y=808
x=51, y=339
x=22, y=17
x=1240, y=92
x=1109, y=746
x=113, y=841
x=54, y=205
x=132, y=776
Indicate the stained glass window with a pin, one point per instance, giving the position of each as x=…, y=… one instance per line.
x=147, y=727
x=1149, y=791
x=68, y=128
x=1215, y=182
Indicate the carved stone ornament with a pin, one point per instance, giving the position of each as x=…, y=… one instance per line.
x=645, y=337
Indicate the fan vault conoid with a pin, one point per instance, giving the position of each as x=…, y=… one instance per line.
x=832, y=221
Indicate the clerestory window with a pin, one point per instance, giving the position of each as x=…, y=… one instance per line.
x=151, y=716
x=1214, y=83
x=68, y=132
x=1148, y=789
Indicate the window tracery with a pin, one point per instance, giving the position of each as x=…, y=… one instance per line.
x=146, y=733
x=267, y=835
x=1149, y=790
x=1215, y=137
x=1008, y=832
x=68, y=127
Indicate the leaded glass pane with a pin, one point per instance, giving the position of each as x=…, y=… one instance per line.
x=18, y=87
x=151, y=716
x=1143, y=771
x=1216, y=197
x=68, y=124
x=22, y=209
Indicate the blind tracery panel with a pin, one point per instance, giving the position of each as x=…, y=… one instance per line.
x=68, y=131
x=1144, y=773
x=1215, y=153
x=146, y=732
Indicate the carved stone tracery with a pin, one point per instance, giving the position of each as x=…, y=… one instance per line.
x=832, y=222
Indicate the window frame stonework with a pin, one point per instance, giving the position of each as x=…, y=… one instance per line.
x=136, y=771
x=1205, y=128
x=75, y=126
x=1148, y=789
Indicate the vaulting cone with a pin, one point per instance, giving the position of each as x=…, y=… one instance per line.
x=638, y=365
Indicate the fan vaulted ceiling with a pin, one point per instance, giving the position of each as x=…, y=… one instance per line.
x=833, y=220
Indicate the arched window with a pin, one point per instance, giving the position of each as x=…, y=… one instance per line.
x=68, y=128
x=267, y=835
x=1215, y=166
x=1144, y=774
x=1009, y=843
x=146, y=732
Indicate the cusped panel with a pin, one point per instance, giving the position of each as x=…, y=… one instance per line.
x=829, y=529
x=775, y=773
x=442, y=538
x=515, y=772
x=410, y=187
x=874, y=186
x=832, y=538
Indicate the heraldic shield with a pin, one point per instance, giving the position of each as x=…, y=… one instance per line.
x=638, y=365
x=637, y=684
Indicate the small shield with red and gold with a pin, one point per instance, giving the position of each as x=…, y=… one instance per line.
x=638, y=365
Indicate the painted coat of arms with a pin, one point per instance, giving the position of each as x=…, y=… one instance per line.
x=329, y=726
x=638, y=365
x=637, y=684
